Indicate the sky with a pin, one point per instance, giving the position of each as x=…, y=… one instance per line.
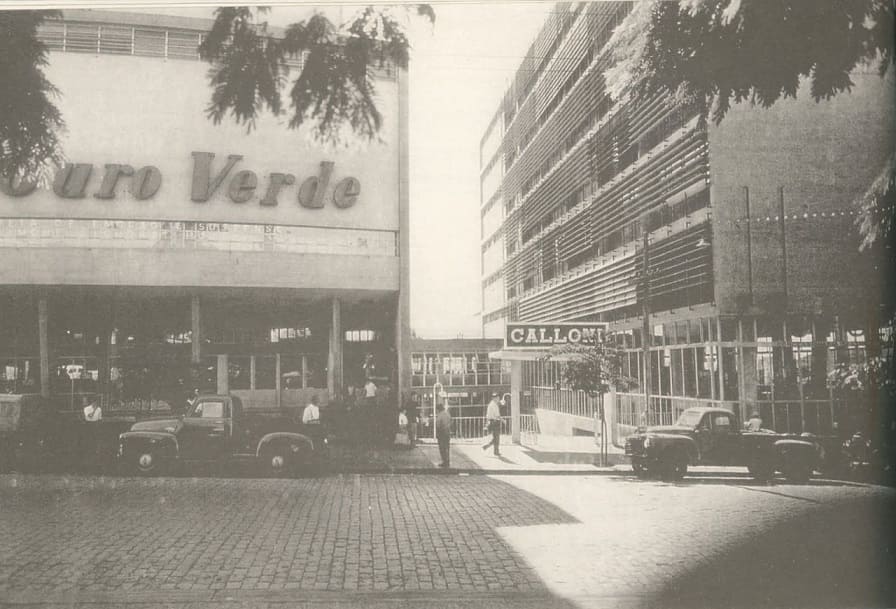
x=458, y=74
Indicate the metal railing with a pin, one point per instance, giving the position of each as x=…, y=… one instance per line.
x=783, y=416
x=475, y=428
x=565, y=401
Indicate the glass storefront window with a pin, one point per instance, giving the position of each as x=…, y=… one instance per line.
x=677, y=372
x=769, y=330
x=316, y=370
x=20, y=375
x=669, y=333
x=730, y=373
x=747, y=328
x=265, y=372
x=729, y=331
x=291, y=372
x=694, y=331
x=681, y=332
x=239, y=372
x=689, y=365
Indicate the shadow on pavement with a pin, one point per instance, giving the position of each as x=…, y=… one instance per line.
x=841, y=555
x=72, y=539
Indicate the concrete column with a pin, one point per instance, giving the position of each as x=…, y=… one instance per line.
x=278, y=380
x=223, y=376
x=516, y=397
x=403, y=307
x=42, y=317
x=196, y=328
x=334, y=358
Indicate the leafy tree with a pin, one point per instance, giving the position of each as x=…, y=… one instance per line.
x=713, y=53
x=594, y=369
x=30, y=123
x=334, y=90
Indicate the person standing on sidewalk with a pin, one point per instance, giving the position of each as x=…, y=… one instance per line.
x=443, y=434
x=410, y=411
x=493, y=423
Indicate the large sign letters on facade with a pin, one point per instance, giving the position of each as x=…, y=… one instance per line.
x=545, y=336
x=73, y=179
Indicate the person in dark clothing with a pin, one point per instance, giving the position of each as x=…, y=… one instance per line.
x=443, y=434
x=410, y=411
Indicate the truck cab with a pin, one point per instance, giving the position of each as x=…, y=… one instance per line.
x=216, y=428
x=711, y=436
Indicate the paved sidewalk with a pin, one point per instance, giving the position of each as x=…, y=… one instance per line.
x=551, y=455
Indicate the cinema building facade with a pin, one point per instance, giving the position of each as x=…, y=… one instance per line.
x=724, y=258
x=171, y=253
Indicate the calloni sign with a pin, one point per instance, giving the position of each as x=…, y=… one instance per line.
x=547, y=335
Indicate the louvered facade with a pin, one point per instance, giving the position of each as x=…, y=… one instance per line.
x=578, y=176
x=748, y=287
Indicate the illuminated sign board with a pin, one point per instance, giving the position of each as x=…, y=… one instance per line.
x=545, y=336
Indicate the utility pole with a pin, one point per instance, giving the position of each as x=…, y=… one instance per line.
x=645, y=311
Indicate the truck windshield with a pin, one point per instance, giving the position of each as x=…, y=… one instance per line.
x=689, y=418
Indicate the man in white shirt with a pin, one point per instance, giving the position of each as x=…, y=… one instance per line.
x=311, y=414
x=493, y=420
x=93, y=412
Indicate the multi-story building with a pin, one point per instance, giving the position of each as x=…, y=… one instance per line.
x=724, y=257
x=171, y=252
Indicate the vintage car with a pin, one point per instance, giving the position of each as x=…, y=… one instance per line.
x=216, y=429
x=38, y=434
x=712, y=436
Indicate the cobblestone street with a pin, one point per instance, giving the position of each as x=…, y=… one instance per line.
x=412, y=540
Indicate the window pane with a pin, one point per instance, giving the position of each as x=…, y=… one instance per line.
x=291, y=371
x=238, y=372
x=265, y=372
x=729, y=330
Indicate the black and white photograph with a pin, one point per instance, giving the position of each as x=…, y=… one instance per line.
x=458, y=305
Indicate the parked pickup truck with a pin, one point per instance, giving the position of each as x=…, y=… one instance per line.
x=39, y=434
x=710, y=436
x=216, y=429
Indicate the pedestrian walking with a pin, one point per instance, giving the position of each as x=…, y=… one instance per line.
x=493, y=423
x=443, y=434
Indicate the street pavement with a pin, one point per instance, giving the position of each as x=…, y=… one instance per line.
x=406, y=540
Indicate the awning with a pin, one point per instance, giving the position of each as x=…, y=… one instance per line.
x=528, y=355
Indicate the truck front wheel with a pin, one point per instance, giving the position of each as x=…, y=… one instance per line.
x=278, y=461
x=796, y=470
x=675, y=465
x=762, y=469
x=146, y=462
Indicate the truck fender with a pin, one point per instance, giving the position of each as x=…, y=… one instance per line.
x=163, y=439
x=664, y=444
x=798, y=448
x=295, y=439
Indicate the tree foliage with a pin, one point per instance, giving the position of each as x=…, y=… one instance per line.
x=720, y=52
x=334, y=92
x=715, y=53
x=30, y=123
x=594, y=369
